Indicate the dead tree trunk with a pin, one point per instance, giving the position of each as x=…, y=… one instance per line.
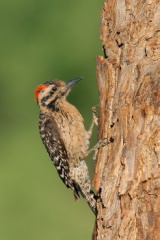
x=127, y=174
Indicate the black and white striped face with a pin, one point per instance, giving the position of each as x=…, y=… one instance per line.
x=52, y=91
x=48, y=93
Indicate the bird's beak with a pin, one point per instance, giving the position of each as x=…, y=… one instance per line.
x=70, y=83
x=66, y=89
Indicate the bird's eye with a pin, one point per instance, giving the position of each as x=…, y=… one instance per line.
x=54, y=89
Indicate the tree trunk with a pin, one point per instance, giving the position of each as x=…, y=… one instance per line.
x=127, y=174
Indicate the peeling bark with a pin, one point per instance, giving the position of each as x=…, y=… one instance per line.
x=127, y=174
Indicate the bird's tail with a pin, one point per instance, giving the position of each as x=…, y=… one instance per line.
x=82, y=185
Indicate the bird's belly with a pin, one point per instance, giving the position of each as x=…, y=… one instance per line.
x=74, y=138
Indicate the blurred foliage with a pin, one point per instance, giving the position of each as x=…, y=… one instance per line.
x=42, y=40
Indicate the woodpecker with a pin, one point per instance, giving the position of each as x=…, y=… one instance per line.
x=66, y=140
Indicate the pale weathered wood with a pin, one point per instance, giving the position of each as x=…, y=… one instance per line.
x=127, y=174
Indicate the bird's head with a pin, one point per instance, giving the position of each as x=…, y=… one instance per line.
x=52, y=91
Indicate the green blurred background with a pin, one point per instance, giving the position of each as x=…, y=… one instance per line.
x=42, y=40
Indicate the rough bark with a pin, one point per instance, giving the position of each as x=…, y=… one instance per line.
x=127, y=174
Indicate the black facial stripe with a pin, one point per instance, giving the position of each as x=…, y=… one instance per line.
x=52, y=105
x=44, y=99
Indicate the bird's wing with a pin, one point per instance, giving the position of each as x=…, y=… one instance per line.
x=56, y=149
